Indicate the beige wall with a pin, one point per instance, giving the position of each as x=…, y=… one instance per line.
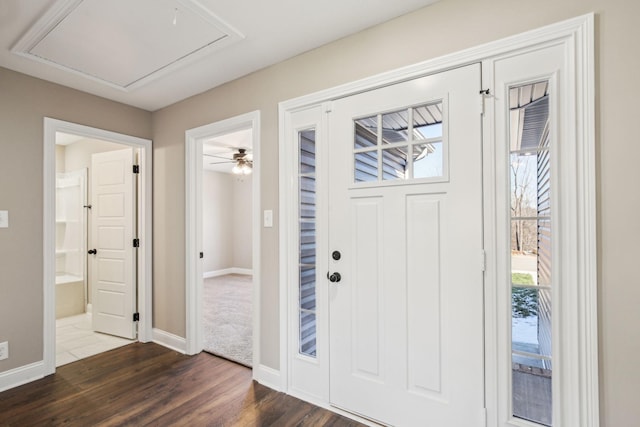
x=242, y=222
x=226, y=221
x=447, y=26
x=78, y=155
x=24, y=102
x=217, y=221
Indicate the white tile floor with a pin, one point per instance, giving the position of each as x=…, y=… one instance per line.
x=75, y=340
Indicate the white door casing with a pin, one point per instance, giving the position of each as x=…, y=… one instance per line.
x=194, y=139
x=113, y=230
x=406, y=337
x=145, y=265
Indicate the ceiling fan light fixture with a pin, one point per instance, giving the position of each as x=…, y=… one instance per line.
x=242, y=167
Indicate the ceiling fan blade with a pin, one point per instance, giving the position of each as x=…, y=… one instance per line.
x=219, y=163
x=220, y=157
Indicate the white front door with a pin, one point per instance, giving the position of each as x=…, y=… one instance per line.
x=113, y=264
x=405, y=213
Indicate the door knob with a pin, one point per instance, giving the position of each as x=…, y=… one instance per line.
x=334, y=277
x=92, y=251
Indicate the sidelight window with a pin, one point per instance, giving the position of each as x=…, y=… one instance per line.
x=531, y=235
x=307, y=241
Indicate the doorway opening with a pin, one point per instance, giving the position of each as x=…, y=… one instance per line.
x=77, y=205
x=223, y=238
x=97, y=240
x=227, y=244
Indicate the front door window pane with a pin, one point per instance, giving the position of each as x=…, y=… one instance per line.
x=400, y=145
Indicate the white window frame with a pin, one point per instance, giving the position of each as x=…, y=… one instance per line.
x=579, y=303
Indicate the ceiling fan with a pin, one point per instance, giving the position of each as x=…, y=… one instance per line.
x=242, y=159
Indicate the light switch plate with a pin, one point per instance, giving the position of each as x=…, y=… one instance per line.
x=268, y=218
x=4, y=219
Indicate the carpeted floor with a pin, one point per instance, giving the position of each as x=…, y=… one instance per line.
x=227, y=314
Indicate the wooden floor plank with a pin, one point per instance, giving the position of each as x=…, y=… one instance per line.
x=146, y=384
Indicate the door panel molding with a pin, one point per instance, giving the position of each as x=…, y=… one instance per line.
x=113, y=225
x=576, y=37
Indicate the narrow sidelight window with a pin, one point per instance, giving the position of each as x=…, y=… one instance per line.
x=531, y=234
x=307, y=241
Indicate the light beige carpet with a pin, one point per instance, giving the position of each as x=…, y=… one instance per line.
x=227, y=315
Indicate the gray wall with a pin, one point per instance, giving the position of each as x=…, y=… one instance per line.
x=447, y=26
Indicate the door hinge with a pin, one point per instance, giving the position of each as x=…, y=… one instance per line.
x=136, y=317
x=136, y=243
x=136, y=169
x=483, y=260
x=328, y=107
x=483, y=94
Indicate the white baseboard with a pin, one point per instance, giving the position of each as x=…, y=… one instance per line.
x=22, y=375
x=170, y=340
x=268, y=377
x=224, y=272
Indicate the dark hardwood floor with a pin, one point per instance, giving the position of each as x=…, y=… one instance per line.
x=149, y=385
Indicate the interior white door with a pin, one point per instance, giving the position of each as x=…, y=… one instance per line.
x=406, y=316
x=113, y=270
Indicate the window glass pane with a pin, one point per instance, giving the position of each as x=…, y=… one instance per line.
x=427, y=121
x=524, y=188
x=433, y=131
x=531, y=321
x=366, y=132
x=427, y=160
x=366, y=166
x=531, y=390
x=395, y=127
x=524, y=243
x=307, y=197
x=530, y=208
x=308, y=287
x=394, y=163
x=307, y=241
x=307, y=152
x=307, y=333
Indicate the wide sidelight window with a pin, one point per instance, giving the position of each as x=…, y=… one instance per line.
x=531, y=234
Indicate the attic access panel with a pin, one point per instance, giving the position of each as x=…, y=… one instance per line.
x=124, y=43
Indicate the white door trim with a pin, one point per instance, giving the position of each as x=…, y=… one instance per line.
x=193, y=220
x=145, y=203
x=576, y=36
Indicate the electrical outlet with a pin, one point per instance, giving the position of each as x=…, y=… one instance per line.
x=4, y=350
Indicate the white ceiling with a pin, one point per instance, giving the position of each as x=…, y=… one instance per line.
x=132, y=52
